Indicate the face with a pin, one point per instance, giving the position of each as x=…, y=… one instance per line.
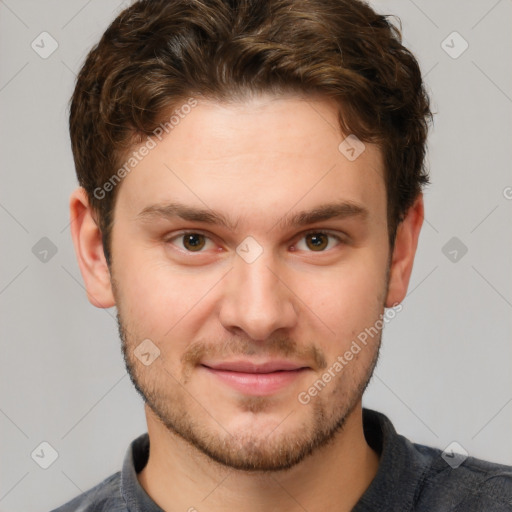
x=249, y=253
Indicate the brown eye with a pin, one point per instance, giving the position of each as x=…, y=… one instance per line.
x=190, y=241
x=193, y=242
x=317, y=241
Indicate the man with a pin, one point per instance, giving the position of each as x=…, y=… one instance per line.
x=251, y=200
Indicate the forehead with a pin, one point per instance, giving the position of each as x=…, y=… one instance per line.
x=265, y=155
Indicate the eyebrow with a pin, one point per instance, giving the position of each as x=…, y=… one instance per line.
x=170, y=211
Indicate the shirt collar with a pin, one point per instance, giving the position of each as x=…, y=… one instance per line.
x=401, y=468
x=136, y=498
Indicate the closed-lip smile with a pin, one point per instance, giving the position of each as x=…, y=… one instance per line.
x=244, y=366
x=256, y=378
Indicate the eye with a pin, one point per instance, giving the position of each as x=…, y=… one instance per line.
x=191, y=241
x=315, y=241
x=318, y=241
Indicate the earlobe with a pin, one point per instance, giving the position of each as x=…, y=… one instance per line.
x=402, y=261
x=88, y=245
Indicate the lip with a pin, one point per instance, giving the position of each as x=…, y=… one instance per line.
x=256, y=379
x=253, y=367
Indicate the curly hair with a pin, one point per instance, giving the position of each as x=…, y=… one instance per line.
x=158, y=53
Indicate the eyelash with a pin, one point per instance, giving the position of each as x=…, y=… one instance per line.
x=338, y=238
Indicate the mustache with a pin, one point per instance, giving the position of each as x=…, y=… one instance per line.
x=282, y=347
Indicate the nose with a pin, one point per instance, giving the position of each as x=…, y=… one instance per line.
x=257, y=299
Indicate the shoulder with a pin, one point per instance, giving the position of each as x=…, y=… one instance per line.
x=103, y=497
x=419, y=478
x=473, y=485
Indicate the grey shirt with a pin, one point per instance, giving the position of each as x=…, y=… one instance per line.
x=411, y=477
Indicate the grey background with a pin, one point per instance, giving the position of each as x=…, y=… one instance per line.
x=445, y=368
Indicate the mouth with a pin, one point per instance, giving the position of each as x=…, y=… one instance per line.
x=257, y=379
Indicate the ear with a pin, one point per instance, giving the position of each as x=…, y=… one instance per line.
x=404, y=251
x=89, y=251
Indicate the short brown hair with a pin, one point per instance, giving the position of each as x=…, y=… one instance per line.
x=158, y=53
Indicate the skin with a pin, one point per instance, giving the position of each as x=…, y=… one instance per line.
x=256, y=162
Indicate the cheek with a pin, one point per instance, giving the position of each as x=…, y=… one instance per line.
x=348, y=301
x=162, y=303
x=346, y=297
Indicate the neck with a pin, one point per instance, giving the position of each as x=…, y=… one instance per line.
x=179, y=477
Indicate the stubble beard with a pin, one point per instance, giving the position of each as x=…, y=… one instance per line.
x=281, y=449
